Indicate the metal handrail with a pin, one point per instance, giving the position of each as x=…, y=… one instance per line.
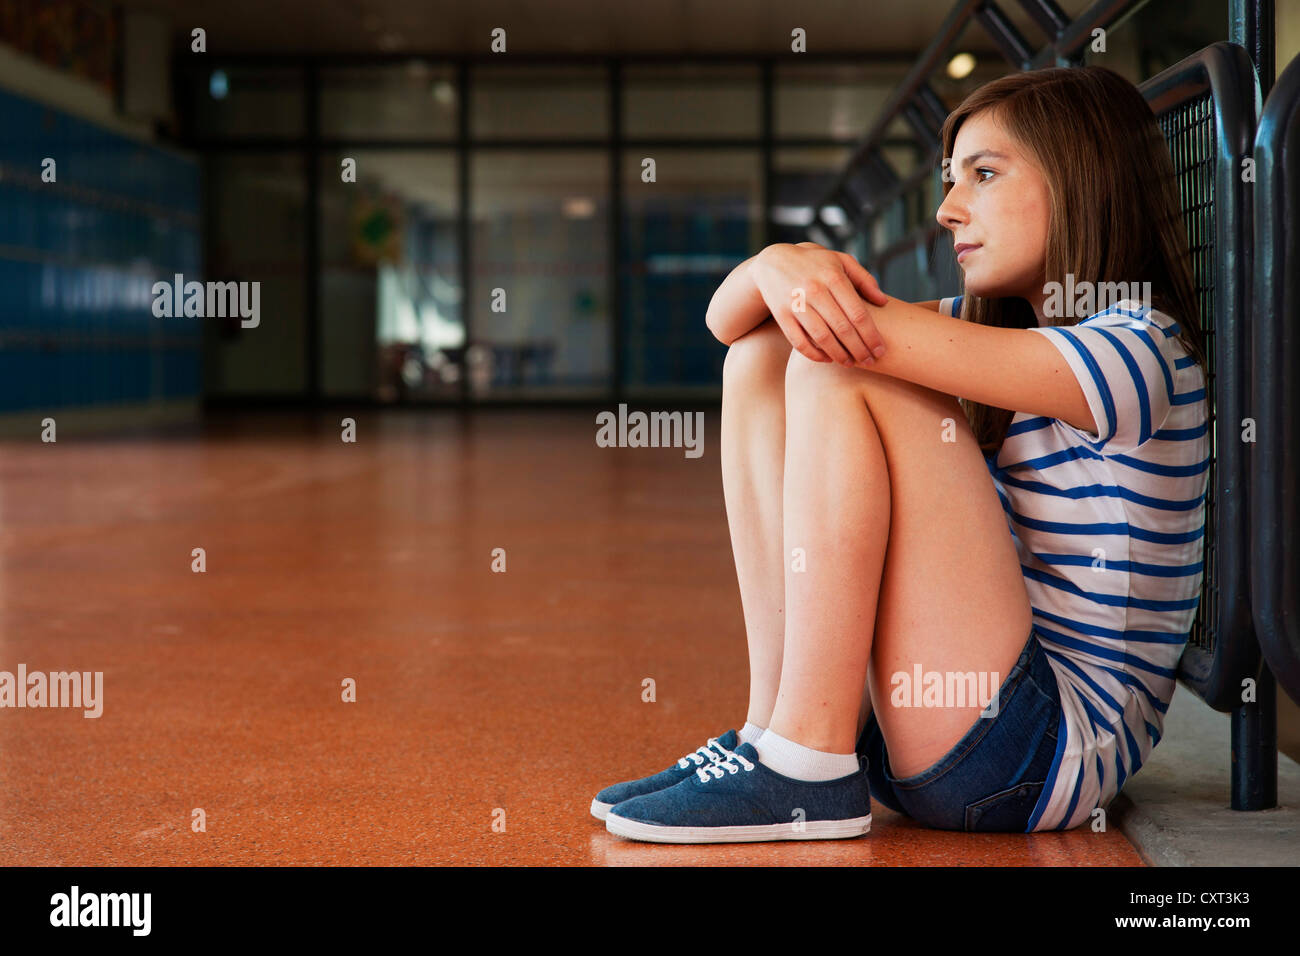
x=1275, y=510
x=1224, y=73
x=916, y=100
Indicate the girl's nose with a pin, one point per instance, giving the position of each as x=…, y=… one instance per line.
x=951, y=212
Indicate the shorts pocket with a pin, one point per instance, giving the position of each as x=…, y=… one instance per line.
x=1004, y=812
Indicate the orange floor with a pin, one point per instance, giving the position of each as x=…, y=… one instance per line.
x=476, y=691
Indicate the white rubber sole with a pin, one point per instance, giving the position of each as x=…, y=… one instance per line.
x=810, y=830
x=600, y=810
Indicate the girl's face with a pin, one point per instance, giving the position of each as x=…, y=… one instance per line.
x=998, y=211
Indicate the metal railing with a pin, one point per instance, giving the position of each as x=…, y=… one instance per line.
x=1206, y=106
x=1275, y=508
x=868, y=184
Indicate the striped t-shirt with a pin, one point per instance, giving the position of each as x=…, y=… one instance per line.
x=1110, y=530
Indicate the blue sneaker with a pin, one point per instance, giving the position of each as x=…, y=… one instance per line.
x=715, y=751
x=739, y=800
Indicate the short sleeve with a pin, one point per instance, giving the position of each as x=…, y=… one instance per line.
x=1124, y=362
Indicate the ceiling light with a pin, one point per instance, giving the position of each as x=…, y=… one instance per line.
x=961, y=65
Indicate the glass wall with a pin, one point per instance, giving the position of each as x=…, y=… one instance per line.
x=256, y=204
x=540, y=304
x=390, y=286
x=348, y=189
x=697, y=102
x=682, y=234
x=836, y=100
x=416, y=100
x=539, y=102
x=239, y=101
x=802, y=178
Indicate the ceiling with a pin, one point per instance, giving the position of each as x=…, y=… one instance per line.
x=571, y=26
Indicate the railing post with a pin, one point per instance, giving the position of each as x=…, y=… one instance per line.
x=1254, y=725
x=1250, y=24
x=1254, y=747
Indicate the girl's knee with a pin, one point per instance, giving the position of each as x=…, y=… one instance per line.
x=760, y=354
x=803, y=373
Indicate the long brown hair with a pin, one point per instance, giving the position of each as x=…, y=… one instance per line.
x=1115, y=213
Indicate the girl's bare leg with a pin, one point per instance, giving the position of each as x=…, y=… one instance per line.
x=753, y=456
x=908, y=560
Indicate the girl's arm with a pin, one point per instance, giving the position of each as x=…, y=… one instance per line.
x=1007, y=368
x=1017, y=369
x=736, y=306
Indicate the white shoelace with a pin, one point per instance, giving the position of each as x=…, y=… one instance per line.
x=718, y=766
x=701, y=754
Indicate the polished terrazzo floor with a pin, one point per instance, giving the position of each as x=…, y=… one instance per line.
x=490, y=707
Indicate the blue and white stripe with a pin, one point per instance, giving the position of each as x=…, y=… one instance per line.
x=1110, y=529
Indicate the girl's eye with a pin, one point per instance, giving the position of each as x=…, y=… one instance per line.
x=981, y=170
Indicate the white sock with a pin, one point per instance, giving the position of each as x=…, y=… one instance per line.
x=750, y=733
x=802, y=763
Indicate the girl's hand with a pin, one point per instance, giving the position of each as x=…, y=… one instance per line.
x=835, y=324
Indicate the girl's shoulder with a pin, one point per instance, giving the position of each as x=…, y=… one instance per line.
x=1162, y=329
x=1131, y=311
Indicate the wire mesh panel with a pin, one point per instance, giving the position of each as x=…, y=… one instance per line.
x=1207, y=107
x=1190, y=134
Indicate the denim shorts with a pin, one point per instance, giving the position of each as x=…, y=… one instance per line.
x=991, y=780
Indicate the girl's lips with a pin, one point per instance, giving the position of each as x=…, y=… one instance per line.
x=963, y=249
